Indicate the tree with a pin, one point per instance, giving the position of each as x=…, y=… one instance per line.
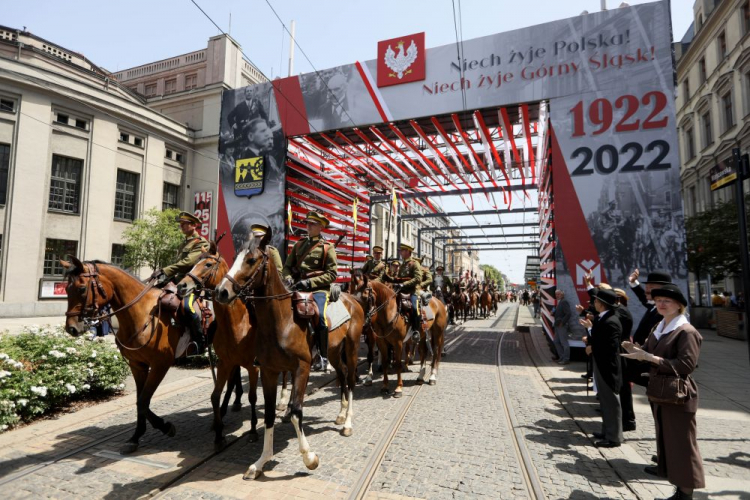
x=152, y=240
x=712, y=238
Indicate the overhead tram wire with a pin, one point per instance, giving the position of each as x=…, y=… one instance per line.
x=294, y=39
x=458, y=56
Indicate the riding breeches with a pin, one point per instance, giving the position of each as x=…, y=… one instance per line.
x=321, y=329
x=416, y=318
x=192, y=314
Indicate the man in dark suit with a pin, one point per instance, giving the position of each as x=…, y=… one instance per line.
x=245, y=112
x=604, y=345
x=626, y=392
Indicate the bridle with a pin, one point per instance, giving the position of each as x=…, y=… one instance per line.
x=200, y=284
x=246, y=292
x=90, y=312
x=372, y=310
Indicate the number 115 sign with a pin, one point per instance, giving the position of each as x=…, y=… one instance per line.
x=202, y=210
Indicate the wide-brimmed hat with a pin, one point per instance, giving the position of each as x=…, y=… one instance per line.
x=607, y=297
x=670, y=291
x=258, y=229
x=188, y=217
x=404, y=246
x=659, y=278
x=316, y=217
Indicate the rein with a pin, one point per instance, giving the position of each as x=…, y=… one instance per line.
x=245, y=293
x=372, y=312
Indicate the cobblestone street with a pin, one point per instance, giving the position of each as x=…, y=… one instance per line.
x=502, y=422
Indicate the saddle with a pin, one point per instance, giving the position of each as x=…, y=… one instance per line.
x=304, y=307
x=404, y=303
x=170, y=305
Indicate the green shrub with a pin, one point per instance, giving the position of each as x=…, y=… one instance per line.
x=43, y=368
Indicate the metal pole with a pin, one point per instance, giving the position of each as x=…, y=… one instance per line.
x=419, y=242
x=744, y=258
x=291, y=50
x=398, y=228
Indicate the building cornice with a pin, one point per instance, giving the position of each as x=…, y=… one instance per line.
x=705, y=35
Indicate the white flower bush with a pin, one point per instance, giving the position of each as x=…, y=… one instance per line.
x=43, y=368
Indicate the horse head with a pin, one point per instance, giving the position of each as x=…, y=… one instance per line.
x=86, y=294
x=358, y=284
x=206, y=273
x=249, y=271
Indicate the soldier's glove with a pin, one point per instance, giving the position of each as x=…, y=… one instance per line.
x=289, y=282
x=396, y=287
x=303, y=285
x=157, y=274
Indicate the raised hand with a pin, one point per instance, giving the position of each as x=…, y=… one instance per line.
x=634, y=276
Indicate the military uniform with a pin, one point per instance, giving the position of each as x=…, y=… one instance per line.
x=312, y=264
x=442, y=283
x=259, y=230
x=188, y=256
x=409, y=278
x=374, y=269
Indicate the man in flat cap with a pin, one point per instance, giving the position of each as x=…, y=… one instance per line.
x=188, y=255
x=311, y=267
x=375, y=268
x=409, y=280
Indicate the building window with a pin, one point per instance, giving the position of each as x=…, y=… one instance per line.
x=699, y=22
x=82, y=124
x=170, y=86
x=62, y=118
x=118, y=255
x=745, y=10
x=727, y=109
x=150, y=90
x=7, y=105
x=138, y=142
x=702, y=69
x=4, y=171
x=708, y=134
x=124, y=137
x=191, y=81
x=170, y=196
x=65, y=185
x=54, y=250
x=174, y=155
x=126, y=195
x=721, y=42
x=686, y=88
x=689, y=144
x=693, y=202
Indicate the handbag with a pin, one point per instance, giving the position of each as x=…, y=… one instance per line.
x=667, y=388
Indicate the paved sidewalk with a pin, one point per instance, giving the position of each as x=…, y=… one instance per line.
x=15, y=325
x=723, y=375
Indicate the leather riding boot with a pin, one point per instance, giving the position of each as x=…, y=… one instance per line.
x=197, y=344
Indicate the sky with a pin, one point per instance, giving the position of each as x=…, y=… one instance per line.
x=120, y=35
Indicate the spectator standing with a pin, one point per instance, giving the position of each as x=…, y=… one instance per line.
x=651, y=318
x=562, y=315
x=626, y=392
x=537, y=301
x=605, y=333
x=673, y=350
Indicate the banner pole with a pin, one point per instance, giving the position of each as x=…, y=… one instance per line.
x=744, y=258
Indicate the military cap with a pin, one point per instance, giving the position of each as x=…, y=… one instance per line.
x=316, y=217
x=258, y=229
x=404, y=246
x=377, y=248
x=439, y=268
x=394, y=261
x=188, y=217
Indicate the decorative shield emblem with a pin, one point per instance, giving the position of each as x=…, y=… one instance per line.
x=249, y=176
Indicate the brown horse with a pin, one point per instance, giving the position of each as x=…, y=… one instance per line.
x=391, y=328
x=460, y=301
x=473, y=304
x=146, y=340
x=485, y=302
x=284, y=343
x=234, y=339
x=357, y=284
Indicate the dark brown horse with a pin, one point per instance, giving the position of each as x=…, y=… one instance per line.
x=284, y=343
x=473, y=304
x=233, y=340
x=357, y=284
x=485, y=302
x=146, y=340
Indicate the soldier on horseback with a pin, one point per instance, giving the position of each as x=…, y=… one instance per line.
x=188, y=255
x=409, y=281
x=311, y=267
x=441, y=284
x=375, y=268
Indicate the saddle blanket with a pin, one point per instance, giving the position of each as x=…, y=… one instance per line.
x=336, y=314
x=429, y=314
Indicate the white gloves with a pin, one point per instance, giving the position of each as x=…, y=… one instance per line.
x=635, y=352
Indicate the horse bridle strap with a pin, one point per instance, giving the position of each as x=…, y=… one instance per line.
x=242, y=290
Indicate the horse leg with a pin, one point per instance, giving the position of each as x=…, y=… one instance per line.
x=237, y=405
x=230, y=380
x=370, y=356
x=270, y=381
x=223, y=372
x=140, y=373
x=351, y=380
x=334, y=357
x=383, y=349
x=153, y=379
x=284, y=398
x=423, y=361
x=253, y=396
x=438, y=338
x=398, y=392
x=309, y=458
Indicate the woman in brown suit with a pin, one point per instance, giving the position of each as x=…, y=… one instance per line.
x=674, y=346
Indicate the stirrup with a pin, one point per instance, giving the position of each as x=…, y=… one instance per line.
x=193, y=349
x=416, y=335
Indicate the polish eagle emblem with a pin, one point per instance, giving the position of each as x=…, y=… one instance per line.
x=399, y=63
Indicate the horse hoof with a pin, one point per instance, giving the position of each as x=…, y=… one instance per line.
x=433, y=382
x=219, y=445
x=368, y=382
x=398, y=394
x=311, y=461
x=420, y=381
x=340, y=420
x=128, y=448
x=170, y=430
x=252, y=473
x=252, y=437
x=280, y=407
x=237, y=406
x=346, y=431
x=287, y=418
